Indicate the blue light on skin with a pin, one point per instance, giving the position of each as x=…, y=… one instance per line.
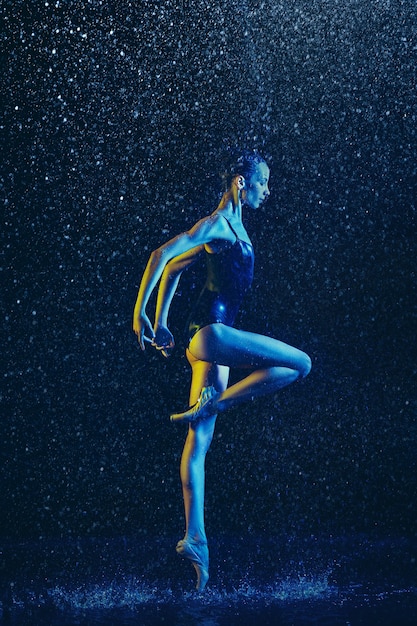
x=256, y=189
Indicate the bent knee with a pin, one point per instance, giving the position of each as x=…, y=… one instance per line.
x=304, y=365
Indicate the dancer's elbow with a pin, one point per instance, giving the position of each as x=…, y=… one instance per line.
x=305, y=365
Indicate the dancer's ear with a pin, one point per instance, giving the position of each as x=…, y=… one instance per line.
x=240, y=182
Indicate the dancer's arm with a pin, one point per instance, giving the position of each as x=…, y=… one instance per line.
x=169, y=282
x=205, y=231
x=163, y=338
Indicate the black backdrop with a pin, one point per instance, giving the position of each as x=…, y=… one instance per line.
x=118, y=117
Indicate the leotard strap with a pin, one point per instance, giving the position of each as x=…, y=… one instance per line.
x=231, y=228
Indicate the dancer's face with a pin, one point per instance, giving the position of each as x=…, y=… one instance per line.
x=256, y=189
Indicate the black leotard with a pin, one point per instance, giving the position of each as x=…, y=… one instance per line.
x=229, y=276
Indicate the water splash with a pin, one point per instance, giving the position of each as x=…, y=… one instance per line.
x=300, y=599
x=133, y=593
x=107, y=596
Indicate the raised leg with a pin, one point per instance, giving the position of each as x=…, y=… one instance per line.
x=275, y=363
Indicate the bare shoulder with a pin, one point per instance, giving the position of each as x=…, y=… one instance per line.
x=206, y=231
x=213, y=232
x=213, y=226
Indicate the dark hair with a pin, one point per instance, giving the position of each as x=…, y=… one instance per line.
x=244, y=165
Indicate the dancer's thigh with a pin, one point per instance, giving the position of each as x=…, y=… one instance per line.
x=228, y=346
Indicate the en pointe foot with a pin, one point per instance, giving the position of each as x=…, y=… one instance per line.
x=197, y=553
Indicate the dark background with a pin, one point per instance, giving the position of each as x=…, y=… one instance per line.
x=118, y=117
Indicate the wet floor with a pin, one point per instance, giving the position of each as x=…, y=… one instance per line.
x=327, y=581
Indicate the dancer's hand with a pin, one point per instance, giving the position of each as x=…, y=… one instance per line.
x=163, y=340
x=141, y=324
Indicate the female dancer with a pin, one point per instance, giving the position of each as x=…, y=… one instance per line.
x=214, y=345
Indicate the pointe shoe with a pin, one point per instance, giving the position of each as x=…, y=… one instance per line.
x=205, y=406
x=197, y=553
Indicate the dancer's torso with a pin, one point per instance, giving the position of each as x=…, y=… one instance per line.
x=229, y=276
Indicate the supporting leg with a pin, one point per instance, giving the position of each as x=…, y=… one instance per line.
x=192, y=473
x=194, y=545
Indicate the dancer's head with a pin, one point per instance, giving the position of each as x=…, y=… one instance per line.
x=250, y=174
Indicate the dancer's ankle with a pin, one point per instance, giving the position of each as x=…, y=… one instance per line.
x=196, y=537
